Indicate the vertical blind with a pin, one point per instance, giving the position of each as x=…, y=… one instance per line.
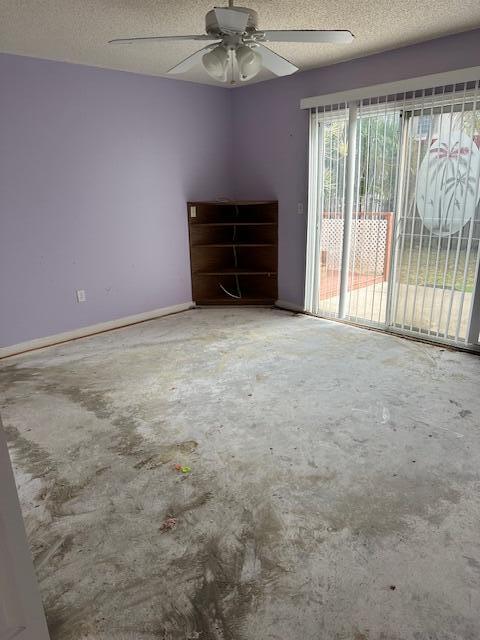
x=403, y=250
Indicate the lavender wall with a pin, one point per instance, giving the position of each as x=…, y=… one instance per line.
x=95, y=170
x=271, y=133
x=96, y=167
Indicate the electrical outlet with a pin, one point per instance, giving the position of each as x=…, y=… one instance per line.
x=300, y=208
x=81, y=296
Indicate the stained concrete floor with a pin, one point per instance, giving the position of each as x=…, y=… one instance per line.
x=333, y=492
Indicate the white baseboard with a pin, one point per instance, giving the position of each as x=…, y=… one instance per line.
x=40, y=343
x=289, y=306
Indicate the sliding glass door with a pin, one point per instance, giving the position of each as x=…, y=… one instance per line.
x=402, y=252
x=332, y=145
x=370, y=251
x=438, y=222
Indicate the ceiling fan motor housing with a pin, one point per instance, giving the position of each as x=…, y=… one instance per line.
x=212, y=27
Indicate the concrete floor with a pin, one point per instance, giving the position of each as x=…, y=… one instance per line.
x=333, y=493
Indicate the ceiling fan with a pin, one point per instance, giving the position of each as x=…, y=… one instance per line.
x=236, y=45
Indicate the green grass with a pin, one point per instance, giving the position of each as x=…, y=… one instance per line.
x=432, y=273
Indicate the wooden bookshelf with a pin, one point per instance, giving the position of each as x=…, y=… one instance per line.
x=233, y=251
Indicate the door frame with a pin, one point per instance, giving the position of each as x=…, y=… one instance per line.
x=21, y=612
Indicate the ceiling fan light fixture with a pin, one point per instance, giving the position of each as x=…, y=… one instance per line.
x=249, y=62
x=216, y=63
x=236, y=43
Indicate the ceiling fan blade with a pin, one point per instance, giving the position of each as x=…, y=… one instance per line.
x=275, y=63
x=160, y=39
x=309, y=35
x=191, y=61
x=231, y=19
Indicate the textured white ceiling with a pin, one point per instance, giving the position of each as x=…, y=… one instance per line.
x=78, y=30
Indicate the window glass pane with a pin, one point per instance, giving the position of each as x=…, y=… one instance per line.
x=378, y=137
x=332, y=133
x=438, y=236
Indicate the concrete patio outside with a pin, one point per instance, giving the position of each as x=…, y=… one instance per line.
x=417, y=307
